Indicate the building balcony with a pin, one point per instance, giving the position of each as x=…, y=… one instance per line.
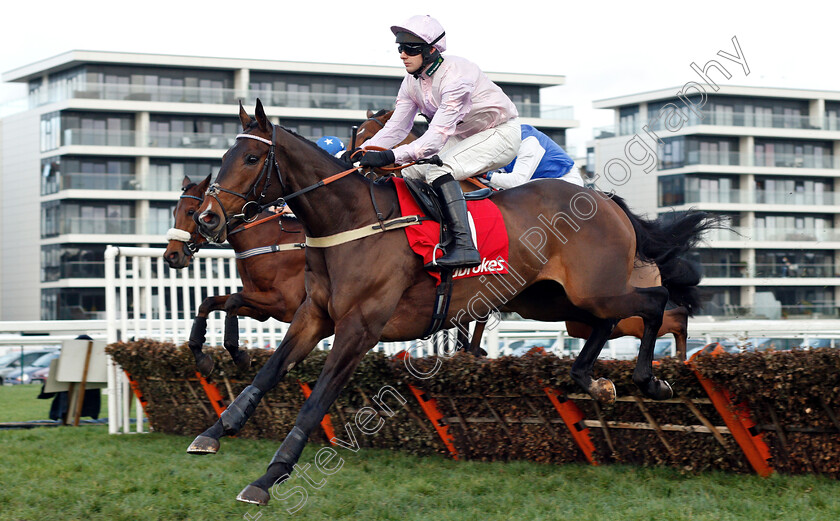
x=742, y=119
x=74, y=270
x=190, y=140
x=741, y=270
x=795, y=161
x=111, y=225
x=737, y=159
x=90, y=182
x=91, y=137
x=795, y=198
x=743, y=234
x=274, y=98
x=737, y=196
x=106, y=226
x=779, y=271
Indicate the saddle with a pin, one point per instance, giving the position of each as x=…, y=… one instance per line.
x=429, y=202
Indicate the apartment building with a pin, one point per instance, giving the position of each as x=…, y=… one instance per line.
x=767, y=159
x=99, y=151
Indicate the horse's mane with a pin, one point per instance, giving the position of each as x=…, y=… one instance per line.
x=416, y=129
x=311, y=144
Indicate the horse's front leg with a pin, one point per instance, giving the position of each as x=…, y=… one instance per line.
x=352, y=342
x=231, y=339
x=204, y=362
x=309, y=327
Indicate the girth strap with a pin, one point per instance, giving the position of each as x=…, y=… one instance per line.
x=443, y=296
x=253, y=252
x=365, y=231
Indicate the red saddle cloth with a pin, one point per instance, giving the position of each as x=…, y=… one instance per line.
x=489, y=231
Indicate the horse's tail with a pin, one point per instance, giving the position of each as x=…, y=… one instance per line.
x=665, y=242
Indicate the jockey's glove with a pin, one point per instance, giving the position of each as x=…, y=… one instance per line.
x=351, y=155
x=376, y=159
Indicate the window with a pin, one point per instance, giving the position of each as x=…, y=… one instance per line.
x=97, y=129
x=793, y=154
x=671, y=190
x=160, y=218
x=628, y=120
x=168, y=176
x=672, y=153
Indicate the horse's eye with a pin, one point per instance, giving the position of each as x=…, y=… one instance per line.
x=251, y=159
x=190, y=212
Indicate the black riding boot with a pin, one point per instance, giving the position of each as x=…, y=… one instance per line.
x=461, y=252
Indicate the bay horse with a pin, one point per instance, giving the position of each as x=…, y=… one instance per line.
x=681, y=278
x=364, y=284
x=269, y=259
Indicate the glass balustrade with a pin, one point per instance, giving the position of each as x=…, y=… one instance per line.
x=91, y=137
x=111, y=225
x=277, y=98
x=92, y=182
x=798, y=198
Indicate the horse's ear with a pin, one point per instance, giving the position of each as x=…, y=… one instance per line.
x=244, y=117
x=262, y=120
x=185, y=183
x=205, y=183
x=369, y=113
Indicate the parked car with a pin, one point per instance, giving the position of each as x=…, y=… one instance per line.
x=27, y=375
x=522, y=347
x=667, y=347
x=11, y=362
x=815, y=343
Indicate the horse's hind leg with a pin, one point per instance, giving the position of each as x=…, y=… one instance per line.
x=471, y=345
x=602, y=389
x=676, y=321
x=651, y=306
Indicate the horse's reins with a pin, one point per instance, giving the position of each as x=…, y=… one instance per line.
x=317, y=242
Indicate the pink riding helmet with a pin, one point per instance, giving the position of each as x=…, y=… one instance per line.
x=424, y=27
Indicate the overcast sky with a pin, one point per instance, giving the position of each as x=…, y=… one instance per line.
x=604, y=49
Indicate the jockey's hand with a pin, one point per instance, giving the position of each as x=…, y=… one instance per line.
x=351, y=155
x=376, y=159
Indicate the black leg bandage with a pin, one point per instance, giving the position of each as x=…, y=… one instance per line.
x=231, y=333
x=238, y=412
x=291, y=449
x=199, y=328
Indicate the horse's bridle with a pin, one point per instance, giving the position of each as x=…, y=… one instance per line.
x=270, y=159
x=254, y=206
x=177, y=234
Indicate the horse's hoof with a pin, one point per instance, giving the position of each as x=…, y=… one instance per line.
x=603, y=390
x=659, y=389
x=242, y=361
x=253, y=495
x=205, y=364
x=203, y=445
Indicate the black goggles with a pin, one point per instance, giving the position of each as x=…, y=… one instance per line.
x=411, y=49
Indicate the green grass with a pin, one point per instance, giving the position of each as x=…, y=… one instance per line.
x=84, y=473
x=18, y=403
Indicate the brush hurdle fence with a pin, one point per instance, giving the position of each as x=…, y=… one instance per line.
x=145, y=299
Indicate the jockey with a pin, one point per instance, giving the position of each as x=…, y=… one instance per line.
x=331, y=144
x=473, y=126
x=539, y=157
